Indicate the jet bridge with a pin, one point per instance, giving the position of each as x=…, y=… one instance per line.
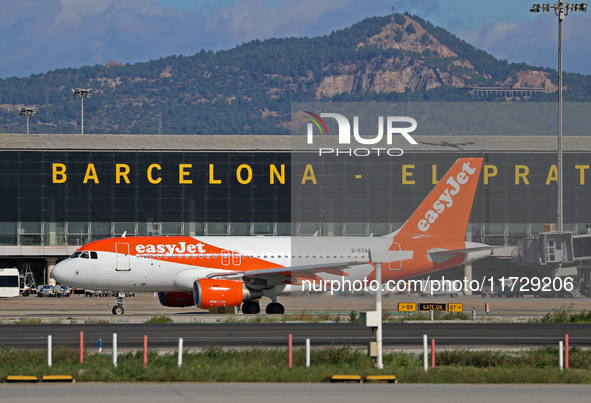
x=560, y=254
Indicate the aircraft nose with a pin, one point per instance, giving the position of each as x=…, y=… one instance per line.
x=59, y=272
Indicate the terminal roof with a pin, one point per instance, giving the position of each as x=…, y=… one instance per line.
x=279, y=143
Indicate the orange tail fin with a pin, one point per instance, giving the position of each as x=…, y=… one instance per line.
x=446, y=210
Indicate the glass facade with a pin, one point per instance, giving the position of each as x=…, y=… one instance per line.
x=73, y=197
x=516, y=195
x=59, y=198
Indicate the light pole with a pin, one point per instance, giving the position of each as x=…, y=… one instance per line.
x=561, y=9
x=27, y=112
x=82, y=93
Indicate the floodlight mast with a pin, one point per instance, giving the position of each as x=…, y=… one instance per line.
x=27, y=112
x=561, y=9
x=82, y=93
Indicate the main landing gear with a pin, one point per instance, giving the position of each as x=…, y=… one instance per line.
x=275, y=308
x=118, y=308
x=253, y=307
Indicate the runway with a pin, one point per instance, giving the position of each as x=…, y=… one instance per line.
x=78, y=309
x=292, y=392
x=200, y=335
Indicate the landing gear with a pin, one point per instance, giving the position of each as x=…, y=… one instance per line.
x=118, y=308
x=275, y=308
x=251, y=308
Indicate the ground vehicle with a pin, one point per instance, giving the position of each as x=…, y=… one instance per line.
x=61, y=291
x=509, y=288
x=46, y=291
x=92, y=293
x=440, y=289
x=9, y=283
x=28, y=291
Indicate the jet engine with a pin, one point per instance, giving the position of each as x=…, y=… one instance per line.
x=209, y=292
x=176, y=299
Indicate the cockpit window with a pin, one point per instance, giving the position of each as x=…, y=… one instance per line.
x=75, y=255
x=84, y=255
x=93, y=255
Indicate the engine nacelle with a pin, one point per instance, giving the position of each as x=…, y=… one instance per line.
x=209, y=292
x=176, y=299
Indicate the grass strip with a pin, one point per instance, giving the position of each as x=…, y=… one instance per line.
x=213, y=364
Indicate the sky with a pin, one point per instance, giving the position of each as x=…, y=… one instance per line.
x=37, y=36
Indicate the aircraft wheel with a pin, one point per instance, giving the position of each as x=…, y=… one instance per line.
x=118, y=310
x=275, y=308
x=250, y=308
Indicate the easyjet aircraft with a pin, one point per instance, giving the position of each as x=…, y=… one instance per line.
x=230, y=271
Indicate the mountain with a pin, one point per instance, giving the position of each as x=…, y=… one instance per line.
x=249, y=89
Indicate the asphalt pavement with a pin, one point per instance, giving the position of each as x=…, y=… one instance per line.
x=292, y=393
x=200, y=335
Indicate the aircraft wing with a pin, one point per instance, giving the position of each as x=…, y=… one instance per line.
x=291, y=274
x=268, y=278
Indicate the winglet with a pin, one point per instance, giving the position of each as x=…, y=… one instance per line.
x=446, y=210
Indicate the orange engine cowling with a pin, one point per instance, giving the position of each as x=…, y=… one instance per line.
x=176, y=299
x=209, y=292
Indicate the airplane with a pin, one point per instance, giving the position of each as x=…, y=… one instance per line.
x=212, y=271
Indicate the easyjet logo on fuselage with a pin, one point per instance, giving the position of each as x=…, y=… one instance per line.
x=181, y=247
x=446, y=198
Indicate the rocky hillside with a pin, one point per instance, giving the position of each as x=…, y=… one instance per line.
x=423, y=63
x=249, y=89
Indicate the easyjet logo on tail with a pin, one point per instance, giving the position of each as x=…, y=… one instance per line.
x=446, y=198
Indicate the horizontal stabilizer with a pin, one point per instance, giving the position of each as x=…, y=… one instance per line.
x=441, y=255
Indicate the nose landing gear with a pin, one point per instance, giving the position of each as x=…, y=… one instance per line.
x=118, y=308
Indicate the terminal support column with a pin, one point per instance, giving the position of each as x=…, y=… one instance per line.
x=50, y=265
x=468, y=277
x=380, y=363
x=468, y=267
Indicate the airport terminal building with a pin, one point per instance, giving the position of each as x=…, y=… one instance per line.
x=61, y=191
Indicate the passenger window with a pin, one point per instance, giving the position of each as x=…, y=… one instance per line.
x=93, y=255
